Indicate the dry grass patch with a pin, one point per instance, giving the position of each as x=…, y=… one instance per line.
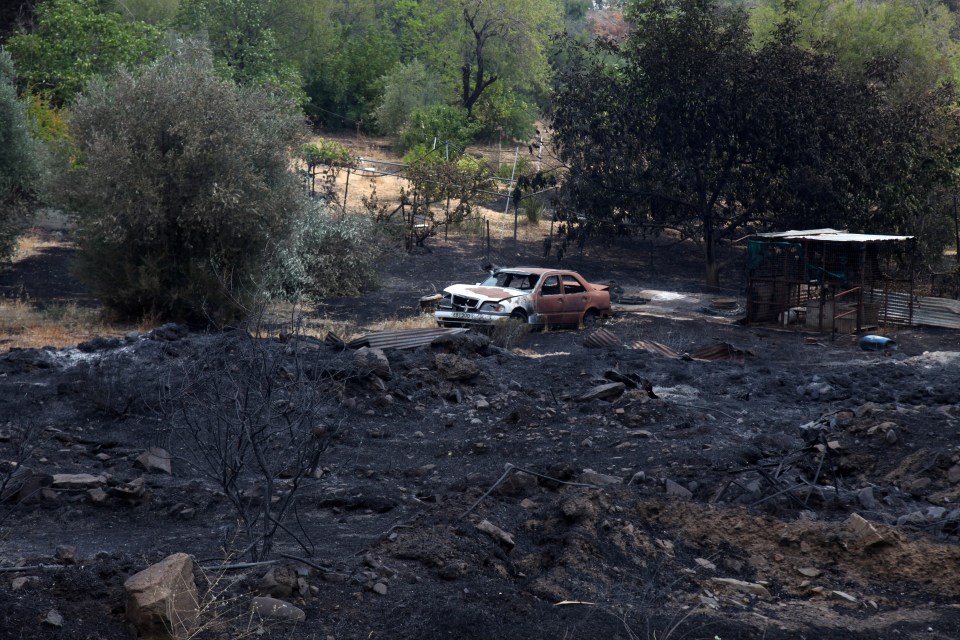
x=25, y=326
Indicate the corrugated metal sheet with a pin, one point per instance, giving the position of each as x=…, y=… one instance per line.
x=927, y=311
x=831, y=235
x=712, y=353
x=655, y=347
x=721, y=351
x=402, y=339
x=601, y=338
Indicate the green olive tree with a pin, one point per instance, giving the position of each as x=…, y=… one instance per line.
x=182, y=190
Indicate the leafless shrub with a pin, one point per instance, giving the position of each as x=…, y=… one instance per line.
x=508, y=333
x=248, y=418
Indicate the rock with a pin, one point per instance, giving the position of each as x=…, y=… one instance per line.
x=916, y=518
x=865, y=532
x=97, y=495
x=162, y=599
x=54, y=618
x=372, y=360
x=77, y=481
x=953, y=475
x=482, y=405
x=706, y=564
x=866, y=499
x=891, y=436
x=810, y=572
x=502, y=537
x=273, y=609
x=278, y=582
x=454, y=367
x=843, y=596
x=935, y=513
x=169, y=332
x=746, y=587
x=155, y=459
x=638, y=478
x=610, y=391
x=676, y=490
x=132, y=491
x=23, y=582
x=66, y=554
x=380, y=588
x=25, y=486
x=589, y=476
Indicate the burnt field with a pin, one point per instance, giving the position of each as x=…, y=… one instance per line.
x=492, y=486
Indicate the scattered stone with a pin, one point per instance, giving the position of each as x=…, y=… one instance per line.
x=706, y=564
x=279, y=581
x=454, y=570
x=372, y=360
x=528, y=504
x=273, y=609
x=589, y=476
x=891, y=436
x=54, y=618
x=953, y=475
x=745, y=587
x=454, y=367
x=380, y=588
x=65, y=554
x=482, y=404
x=638, y=478
x=843, y=596
x=502, y=537
x=80, y=481
x=866, y=534
x=810, y=572
x=677, y=490
x=866, y=499
x=916, y=518
x=935, y=513
x=587, y=443
x=639, y=433
x=155, y=459
x=610, y=391
x=102, y=457
x=132, y=491
x=162, y=599
x=23, y=582
x=97, y=495
x=711, y=603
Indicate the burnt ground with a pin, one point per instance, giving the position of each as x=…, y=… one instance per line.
x=623, y=516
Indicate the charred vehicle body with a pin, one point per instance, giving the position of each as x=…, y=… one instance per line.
x=540, y=297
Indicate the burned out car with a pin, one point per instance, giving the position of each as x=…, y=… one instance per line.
x=540, y=297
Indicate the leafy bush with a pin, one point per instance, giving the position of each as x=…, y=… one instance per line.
x=407, y=88
x=440, y=121
x=329, y=256
x=20, y=160
x=325, y=152
x=182, y=189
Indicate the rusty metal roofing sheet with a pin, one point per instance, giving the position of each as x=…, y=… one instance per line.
x=831, y=235
x=721, y=351
x=601, y=338
x=712, y=353
x=402, y=339
x=655, y=347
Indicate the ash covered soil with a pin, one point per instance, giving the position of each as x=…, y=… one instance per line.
x=803, y=491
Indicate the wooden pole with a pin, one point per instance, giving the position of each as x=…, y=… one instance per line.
x=346, y=191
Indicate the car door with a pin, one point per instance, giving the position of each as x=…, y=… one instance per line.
x=575, y=299
x=550, y=300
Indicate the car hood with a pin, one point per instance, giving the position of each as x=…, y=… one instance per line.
x=483, y=293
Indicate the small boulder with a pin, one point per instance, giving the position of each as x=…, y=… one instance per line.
x=278, y=582
x=80, y=481
x=66, y=554
x=676, y=490
x=372, y=360
x=273, y=609
x=453, y=367
x=589, y=476
x=54, y=618
x=155, y=459
x=162, y=599
x=865, y=532
x=502, y=537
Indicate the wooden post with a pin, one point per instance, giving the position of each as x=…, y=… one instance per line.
x=346, y=190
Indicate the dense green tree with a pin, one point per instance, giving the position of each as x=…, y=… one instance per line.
x=687, y=124
x=182, y=189
x=20, y=160
x=73, y=41
x=244, y=46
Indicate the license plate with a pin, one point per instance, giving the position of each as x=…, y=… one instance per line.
x=460, y=315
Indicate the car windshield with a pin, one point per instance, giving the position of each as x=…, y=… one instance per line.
x=511, y=279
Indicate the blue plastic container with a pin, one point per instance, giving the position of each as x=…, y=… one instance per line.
x=877, y=343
